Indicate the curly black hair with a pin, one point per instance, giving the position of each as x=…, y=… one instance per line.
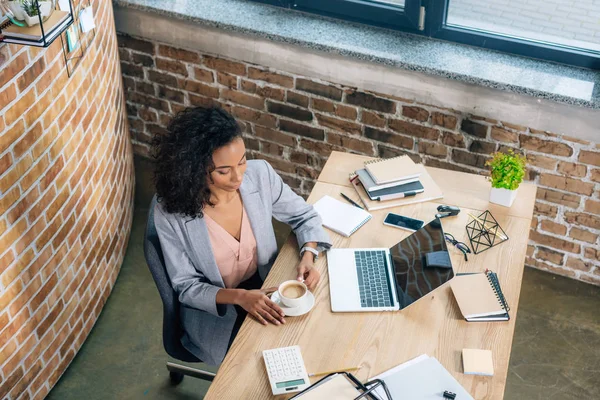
x=183, y=157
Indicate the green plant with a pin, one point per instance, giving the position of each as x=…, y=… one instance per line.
x=30, y=7
x=507, y=170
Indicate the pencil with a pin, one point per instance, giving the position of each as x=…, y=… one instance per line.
x=486, y=228
x=333, y=371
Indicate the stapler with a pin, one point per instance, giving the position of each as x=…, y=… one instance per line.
x=447, y=211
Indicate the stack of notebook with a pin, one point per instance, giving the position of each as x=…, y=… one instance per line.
x=393, y=182
x=32, y=35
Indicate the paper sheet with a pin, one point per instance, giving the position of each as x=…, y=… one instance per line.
x=86, y=19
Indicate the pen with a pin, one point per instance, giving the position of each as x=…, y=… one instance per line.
x=351, y=201
x=332, y=371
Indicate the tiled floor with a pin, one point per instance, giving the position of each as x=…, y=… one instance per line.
x=555, y=353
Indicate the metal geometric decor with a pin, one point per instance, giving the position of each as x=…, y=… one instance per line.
x=484, y=232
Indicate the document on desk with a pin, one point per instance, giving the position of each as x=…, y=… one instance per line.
x=422, y=378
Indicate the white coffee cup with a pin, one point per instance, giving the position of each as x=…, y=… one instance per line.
x=293, y=293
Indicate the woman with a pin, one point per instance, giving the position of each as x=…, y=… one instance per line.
x=213, y=219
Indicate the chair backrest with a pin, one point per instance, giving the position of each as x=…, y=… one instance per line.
x=172, y=330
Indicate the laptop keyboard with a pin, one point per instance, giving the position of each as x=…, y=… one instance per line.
x=373, y=282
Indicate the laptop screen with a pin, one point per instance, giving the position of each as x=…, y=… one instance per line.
x=413, y=279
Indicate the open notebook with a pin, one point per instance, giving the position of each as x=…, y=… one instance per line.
x=342, y=218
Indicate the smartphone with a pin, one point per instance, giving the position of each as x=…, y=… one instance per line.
x=399, y=221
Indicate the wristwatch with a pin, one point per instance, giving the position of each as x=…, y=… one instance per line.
x=310, y=249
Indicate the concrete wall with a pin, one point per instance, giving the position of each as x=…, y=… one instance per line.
x=66, y=192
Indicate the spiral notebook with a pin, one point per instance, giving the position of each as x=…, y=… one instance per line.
x=342, y=218
x=480, y=297
x=392, y=169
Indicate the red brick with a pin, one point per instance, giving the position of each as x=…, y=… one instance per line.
x=418, y=113
x=227, y=80
x=31, y=74
x=572, y=169
x=271, y=92
x=8, y=72
x=583, y=235
x=301, y=129
x=320, y=89
x=411, y=129
x=589, y=157
x=578, y=264
x=545, y=209
x=30, y=235
x=444, y=120
x=433, y=149
x=178, y=54
x=468, y=158
x=254, y=116
x=592, y=253
x=274, y=136
x=389, y=137
x=223, y=65
x=502, y=135
x=474, y=128
x=351, y=143
x=550, y=255
x=371, y=118
x=529, y=142
x=553, y=227
x=20, y=106
x=595, y=175
x=369, y=101
x=589, y=220
x=555, y=243
x=271, y=77
x=592, y=206
x=243, y=99
x=204, y=75
x=453, y=139
x=8, y=94
x=554, y=196
x=323, y=105
x=338, y=124
x=50, y=231
x=566, y=184
x=297, y=99
x=10, y=382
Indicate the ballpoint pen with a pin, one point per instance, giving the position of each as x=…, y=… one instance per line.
x=355, y=204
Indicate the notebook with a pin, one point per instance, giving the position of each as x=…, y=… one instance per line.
x=334, y=387
x=342, y=218
x=53, y=24
x=422, y=378
x=392, y=169
x=479, y=297
x=396, y=192
x=370, y=185
x=431, y=191
x=477, y=362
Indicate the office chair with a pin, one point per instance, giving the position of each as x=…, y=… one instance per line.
x=172, y=331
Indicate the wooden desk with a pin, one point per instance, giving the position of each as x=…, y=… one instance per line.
x=379, y=341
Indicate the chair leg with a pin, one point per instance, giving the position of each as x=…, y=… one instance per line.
x=177, y=372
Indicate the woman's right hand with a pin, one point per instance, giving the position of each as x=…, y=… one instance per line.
x=261, y=307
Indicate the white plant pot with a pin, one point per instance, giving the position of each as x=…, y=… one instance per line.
x=20, y=14
x=504, y=197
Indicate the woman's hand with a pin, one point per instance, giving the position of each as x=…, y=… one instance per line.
x=307, y=272
x=261, y=307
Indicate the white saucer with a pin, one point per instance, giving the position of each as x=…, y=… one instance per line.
x=295, y=311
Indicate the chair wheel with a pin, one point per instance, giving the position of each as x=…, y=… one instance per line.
x=175, y=377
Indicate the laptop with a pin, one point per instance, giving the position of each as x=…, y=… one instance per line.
x=381, y=279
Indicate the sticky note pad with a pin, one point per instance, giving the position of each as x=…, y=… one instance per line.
x=478, y=362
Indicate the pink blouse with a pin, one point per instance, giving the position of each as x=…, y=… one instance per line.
x=236, y=260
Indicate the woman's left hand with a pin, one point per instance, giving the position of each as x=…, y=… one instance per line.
x=308, y=273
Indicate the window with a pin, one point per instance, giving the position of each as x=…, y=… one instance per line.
x=555, y=30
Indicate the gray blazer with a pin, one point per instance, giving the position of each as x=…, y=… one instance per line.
x=192, y=268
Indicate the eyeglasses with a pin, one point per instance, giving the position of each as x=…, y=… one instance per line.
x=459, y=245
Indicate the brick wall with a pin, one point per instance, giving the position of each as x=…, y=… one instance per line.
x=295, y=122
x=66, y=179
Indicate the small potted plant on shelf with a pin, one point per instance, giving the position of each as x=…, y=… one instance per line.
x=507, y=172
x=27, y=10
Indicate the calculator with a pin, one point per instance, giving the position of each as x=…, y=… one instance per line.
x=286, y=370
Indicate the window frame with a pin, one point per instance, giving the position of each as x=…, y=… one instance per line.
x=369, y=12
x=388, y=16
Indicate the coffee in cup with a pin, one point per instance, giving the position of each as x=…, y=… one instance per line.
x=293, y=293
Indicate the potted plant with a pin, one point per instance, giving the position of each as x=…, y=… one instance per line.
x=507, y=172
x=27, y=10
